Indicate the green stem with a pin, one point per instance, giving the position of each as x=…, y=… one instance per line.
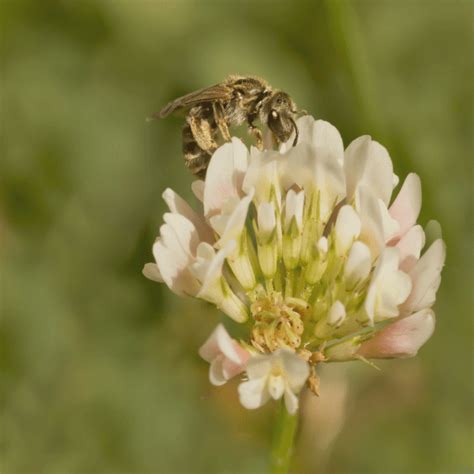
x=284, y=436
x=349, y=41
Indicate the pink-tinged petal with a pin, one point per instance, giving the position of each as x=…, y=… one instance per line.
x=410, y=246
x=426, y=278
x=226, y=356
x=400, y=339
x=230, y=369
x=174, y=269
x=253, y=393
x=367, y=163
x=406, y=207
x=228, y=346
x=224, y=176
x=212, y=347
x=152, y=272
x=197, y=188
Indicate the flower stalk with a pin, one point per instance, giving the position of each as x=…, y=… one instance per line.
x=283, y=441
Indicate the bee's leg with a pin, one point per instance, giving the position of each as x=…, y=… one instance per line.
x=219, y=117
x=195, y=158
x=257, y=133
x=202, y=133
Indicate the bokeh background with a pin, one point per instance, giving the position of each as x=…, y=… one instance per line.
x=99, y=370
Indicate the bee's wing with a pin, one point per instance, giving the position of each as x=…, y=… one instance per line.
x=208, y=94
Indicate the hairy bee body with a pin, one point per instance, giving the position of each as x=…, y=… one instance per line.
x=237, y=100
x=196, y=157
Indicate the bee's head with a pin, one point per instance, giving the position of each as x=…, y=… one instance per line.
x=281, y=112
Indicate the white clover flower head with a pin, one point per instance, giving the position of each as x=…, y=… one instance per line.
x=304, y=246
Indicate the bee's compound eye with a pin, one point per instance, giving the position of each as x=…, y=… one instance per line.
x=274, y=114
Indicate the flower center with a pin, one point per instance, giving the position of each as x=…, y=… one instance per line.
x=278, y=322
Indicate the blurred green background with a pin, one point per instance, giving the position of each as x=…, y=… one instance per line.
x=99, y=370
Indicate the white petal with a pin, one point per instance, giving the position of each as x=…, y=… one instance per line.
x=152, y=272
x=358, y=265
x=320, y=134
x=368, y=163
x=410, y=246
x=211, y=289
x=263, y=175
x=204, y=255
x=426, y=278
x=388, y=289
x=184, y=230
x=234, y=223
x=291, y=402
x=371, y=220
x=216, y=372
x=322, y=245
x=224, y=175
x=259, y=366
x=170, y=240
x=347, y=229
x=406, y=207
x=178, y=205
x=391, y=227
x=402, y=338
x=393, y=290
x=316, y=169
x=296, y=369
x=174, y=269
x=276, y=386
x=337, y=313
x=294, y=208
x=266, y=219
x=253, y=393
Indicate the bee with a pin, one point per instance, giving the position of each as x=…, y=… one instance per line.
x=237, y=100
